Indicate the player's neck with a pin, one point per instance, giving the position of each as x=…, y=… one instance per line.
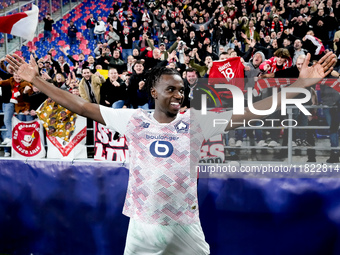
x=163, y=118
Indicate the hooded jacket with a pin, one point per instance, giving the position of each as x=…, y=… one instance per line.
x=7, y=87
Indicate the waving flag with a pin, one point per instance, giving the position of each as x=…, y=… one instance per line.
x=21, y=24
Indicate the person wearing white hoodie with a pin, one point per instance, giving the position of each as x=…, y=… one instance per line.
x=99, y=30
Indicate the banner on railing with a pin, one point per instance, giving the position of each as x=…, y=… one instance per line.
x=27, y=139
x=212, y=151
x=107, y=148
x=74, y=148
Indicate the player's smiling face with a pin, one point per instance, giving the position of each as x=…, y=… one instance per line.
x=169, y=95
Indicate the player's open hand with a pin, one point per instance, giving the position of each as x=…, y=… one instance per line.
x=315, y=73
x=24, y=70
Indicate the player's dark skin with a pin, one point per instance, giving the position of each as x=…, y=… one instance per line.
x=169, y=95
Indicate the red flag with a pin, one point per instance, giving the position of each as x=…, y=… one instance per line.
x=21, y=24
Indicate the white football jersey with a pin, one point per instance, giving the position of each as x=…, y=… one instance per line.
x=160, y=188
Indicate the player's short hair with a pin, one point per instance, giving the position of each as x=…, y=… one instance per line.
x=155, y=75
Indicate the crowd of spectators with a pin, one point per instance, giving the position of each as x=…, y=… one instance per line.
x=269, y=37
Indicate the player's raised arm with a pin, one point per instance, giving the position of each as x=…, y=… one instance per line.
x=29, y=72
x=309, y=75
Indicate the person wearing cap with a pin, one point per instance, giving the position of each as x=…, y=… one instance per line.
x=162, y=48
x=277, y=25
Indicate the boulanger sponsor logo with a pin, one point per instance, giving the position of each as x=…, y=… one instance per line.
x=161, y=149
x=161, y=137
x=26, y=139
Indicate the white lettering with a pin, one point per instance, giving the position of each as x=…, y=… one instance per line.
x=295, y=101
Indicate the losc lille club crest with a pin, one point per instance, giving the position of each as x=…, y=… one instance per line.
x=26, y=139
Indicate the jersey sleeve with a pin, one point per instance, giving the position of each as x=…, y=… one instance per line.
x=116, y=119
x=213, y=123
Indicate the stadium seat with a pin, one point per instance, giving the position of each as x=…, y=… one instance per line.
x=61, y=43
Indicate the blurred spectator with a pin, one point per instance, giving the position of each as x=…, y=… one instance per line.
x=125, y=41
x=130, y=62
x=112, y=36
x=48, y=21
x=113, y=91
x=35, y=99
x=280, y=61
x=202, y=69
x=116, y=62
x=298, y=50
x=277, y=25
x=163, y=51
x=190, y=83
x=75, y=91
x=332, y=115
x=78, y=64
x=60, y=81
x=99, y=30
x=110, y=17
x=137, y=95
x=90, y=24
x=251, y=72
x=72, y=33
x=89, y=86
x=155, y=60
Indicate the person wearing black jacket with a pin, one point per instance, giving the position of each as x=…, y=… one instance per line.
x=137, y=94
x=90, y=24
x=190, y=84
x=125, y=41
x=48, y=27
x=110, y=17
x=78, y=64
x=35, y=99
x=72, y=33
x=113, y=92
x=61, y=66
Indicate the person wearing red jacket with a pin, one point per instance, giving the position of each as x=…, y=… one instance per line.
x=280, y=61
x=13, y=88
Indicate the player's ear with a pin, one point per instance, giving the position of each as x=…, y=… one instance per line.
x=153, y=93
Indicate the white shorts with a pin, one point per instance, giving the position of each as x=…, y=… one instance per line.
x=143, y=239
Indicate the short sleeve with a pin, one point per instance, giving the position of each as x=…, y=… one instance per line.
x=212, y=123
x=116, y=119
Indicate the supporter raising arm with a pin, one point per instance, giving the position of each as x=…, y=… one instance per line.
x=29, y=72
x=68, y=100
